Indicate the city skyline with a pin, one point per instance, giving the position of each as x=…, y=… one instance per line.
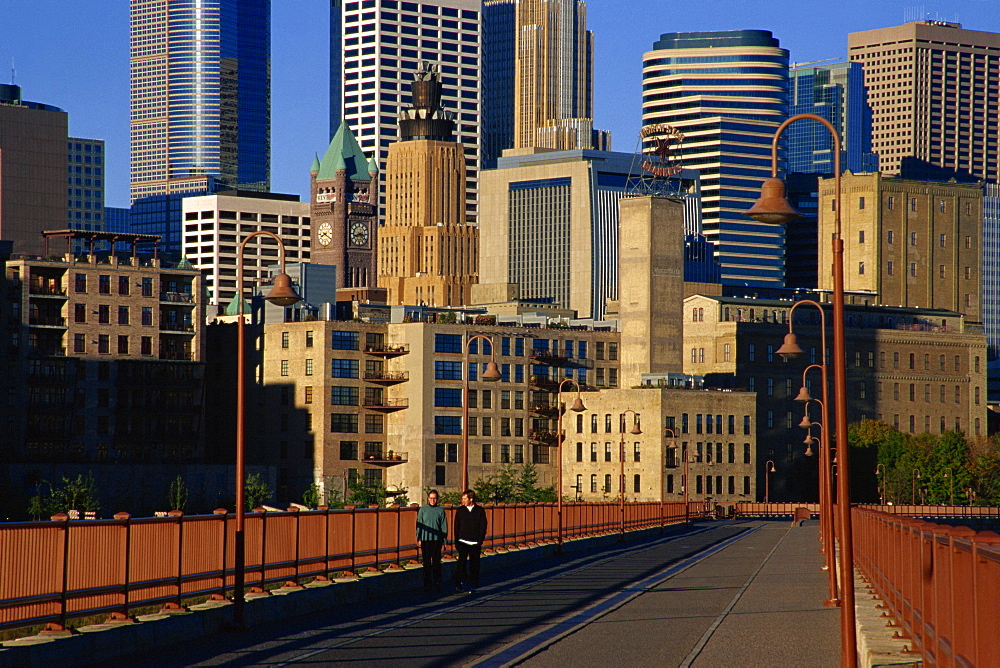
x=56, y=63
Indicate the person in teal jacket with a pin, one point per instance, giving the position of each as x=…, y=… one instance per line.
x=432, y=530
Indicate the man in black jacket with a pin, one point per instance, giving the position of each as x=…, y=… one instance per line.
x=470, y=532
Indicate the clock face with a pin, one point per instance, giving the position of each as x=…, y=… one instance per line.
x=359, y=234
x=325, y=234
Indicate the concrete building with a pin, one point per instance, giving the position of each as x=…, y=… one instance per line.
x=907, y=243
x=933, y=91
x=713, y=460
x=837, y=93
x=32, y=170
x=726, y=93
x=550, y=224
x=554, y=77
x=344, y=211
x=918, y=369
x=428, y=253
x=201, y=94
x=382, y=46
x=216, y=225
x=85, y=184
x=106, y=356
x=355, y=395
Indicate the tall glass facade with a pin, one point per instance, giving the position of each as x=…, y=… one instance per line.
x=498, y=40
x=837, y=93
x=726, y=92
x=200, y=83
x=336, y=67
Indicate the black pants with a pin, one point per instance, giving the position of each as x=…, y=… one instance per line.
x=430, y=553
x=468, y=553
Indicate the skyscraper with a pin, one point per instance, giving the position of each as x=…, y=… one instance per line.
x=33, y=140
x=428, y=254
x=726, y=92
x=837, y=93
x=498, y=64
x=933, y=91
x=84, y=187
x=554, y=77
x=383, y=47
x=200, y=87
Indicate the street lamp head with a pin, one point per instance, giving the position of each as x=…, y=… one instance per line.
x=771, y=469
x=282, y=293
x=635, y=429
x=790, y=349
x=772, y=207
x=803, y=395
x=806, y=422
x=492, y=373
x=578, y=406
x=809, y=448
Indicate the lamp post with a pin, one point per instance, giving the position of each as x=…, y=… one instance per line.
x=773, y=207
x=880, y=473
x=914, y=476
x=490, y=375
x=790, y=350
x=671, y=445
x=768, y=470
x=621, y=452
x=577, y=407
x=281, y=294
x=950, y=475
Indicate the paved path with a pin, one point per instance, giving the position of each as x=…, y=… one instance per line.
x=720, y=594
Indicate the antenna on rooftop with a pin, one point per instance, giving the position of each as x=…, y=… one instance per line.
x=13, y=72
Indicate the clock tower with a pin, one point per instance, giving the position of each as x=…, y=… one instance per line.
x=344, y=195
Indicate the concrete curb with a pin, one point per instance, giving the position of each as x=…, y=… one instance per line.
x=110, y=641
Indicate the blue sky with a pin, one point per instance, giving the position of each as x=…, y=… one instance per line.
x=74, y=54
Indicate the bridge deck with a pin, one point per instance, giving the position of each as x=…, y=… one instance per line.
x=737, y=593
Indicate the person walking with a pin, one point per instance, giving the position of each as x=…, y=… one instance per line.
x=470, y=532
x=432, y=530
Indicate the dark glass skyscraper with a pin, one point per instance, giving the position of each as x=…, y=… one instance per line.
x=837, y=93
x=200, y=84
x=498, y=38
x=336, y=67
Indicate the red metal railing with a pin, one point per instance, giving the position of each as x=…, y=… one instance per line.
x=52, y=572
x=744, y=509
x=939, y=582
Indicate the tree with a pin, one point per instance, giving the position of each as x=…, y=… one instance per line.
x=77, y=494
x=362, y=495
x=255, y=491
x=310, y=497
x=177, y=494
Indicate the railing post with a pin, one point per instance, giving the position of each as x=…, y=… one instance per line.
x=354, y=539
x=64, y=596
x=326, y=540
x=399, y=521
x=298, y=541
x=128, y=553
x=223, y=514
x=263, y=545
x=378, y=513
x=178, y=604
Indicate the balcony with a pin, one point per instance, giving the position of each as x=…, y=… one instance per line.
x=174, y=355
x=177, y=297
x=389, y=459
x=177, y=327
x=385, y=405
x=46, y=351
x=47, y=321
x=386, y=377
x=545, y=409
x=544, y=437
x=548, y=357
x=387, y=351
x=544, y=382
x=46, y=290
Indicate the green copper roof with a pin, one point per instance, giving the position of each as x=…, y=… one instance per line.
x=315, y=166
x=372, y=166
x=344, y=153
x=184, y=264
x=233, y=308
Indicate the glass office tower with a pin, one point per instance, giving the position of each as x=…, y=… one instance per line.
x=200, y=96
x=726, y=92
x=837, y=93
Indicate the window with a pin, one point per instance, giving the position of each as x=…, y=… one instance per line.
x=123, y=345
x=448, y=424
x=487, y=453
x=636, y=483
x=284, y=367
x=913, y=204
x=518, y=454
x=104, y=284
x=612, y=350
x=448, y=397
x=861, y=268
x=861, y=233
x=308, y=398
x=593, y=452
x=348, y=450
x=146, y=345
x=579, y=452
x=725, y=352
x=123, y=285
x=340, y=368
x=448, y=343
x=448, y=371
x=439, y=476
x=913, y=269
x=751, y=352
x=80, y=313
x=80, y=283
x=593, y=483
x=341, y=395
x=147, y=316
x=309, y=339
x=147, y=287
x=344, y=340
x=635, y=452
x=284, y=339
x=607, y=452
x=104, y=314
x=123, y=315
x=889, y=267
x=374, y=423
x=607, y=424
x=79, y=343
x=505, y=454
x=890, y=203
x=345, y=423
